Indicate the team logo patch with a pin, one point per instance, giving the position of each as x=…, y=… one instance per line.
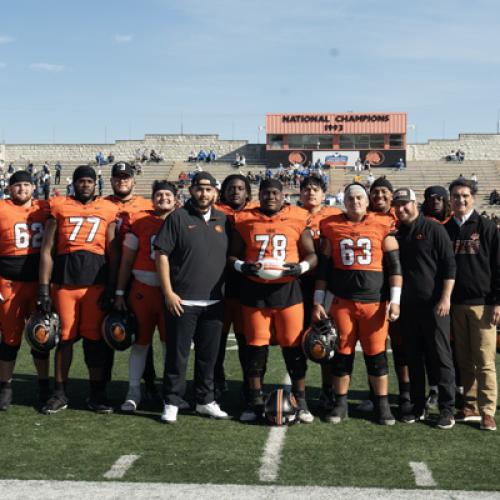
x=118, y=332
x=41, y=334
x=419, y=236
x=474, y=236
x=218, y=228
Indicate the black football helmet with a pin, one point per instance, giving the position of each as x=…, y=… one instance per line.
x=119, y=330
x=320, y=340
x=281, y=408
x=43, y=331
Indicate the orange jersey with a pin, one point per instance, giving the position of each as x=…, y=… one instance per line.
x=21, y=228
x=231, y=212
x=145, y=228
x=127, y=210
x=272, y=237
x=82, y=227
x=356, y=245
x=389, y=218
x=316, y=219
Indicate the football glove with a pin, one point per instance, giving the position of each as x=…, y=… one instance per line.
x=44, y=302
x=292, y=270
x=248, y=268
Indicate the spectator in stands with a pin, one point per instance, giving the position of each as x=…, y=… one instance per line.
x=45, y=186
x=58, y=168
x=367, y=165
x=358, y=165
x=100, y=184
x=3, y=185
x=30, y=168
x=269, y=173
x=211, y=155
x=340, y=196
x=371, y=179
x=99, y=158
x=460, y=155
x=46, y=168
x=357, y=179
x=110, y=158
x=400, y=164
x=494, y=198
x=153, y=156
x=473, y=178
x=145, y=156
x=192, y=156
x=202, y=155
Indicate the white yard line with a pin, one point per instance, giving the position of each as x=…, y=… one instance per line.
x=111, y=490
x=271, y=458
x=422, y=473
x=120, y=467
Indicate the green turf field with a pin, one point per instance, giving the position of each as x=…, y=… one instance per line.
x=79, y=445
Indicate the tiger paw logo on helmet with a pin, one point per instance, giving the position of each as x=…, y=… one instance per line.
x=41, y=334
x=118, y=332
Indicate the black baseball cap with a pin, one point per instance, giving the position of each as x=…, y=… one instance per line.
x=203, y=176
x=436, y=191
x=122, y=168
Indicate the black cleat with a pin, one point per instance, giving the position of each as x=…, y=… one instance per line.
x=5, y=398
x=99, y=405
x=337, y=414
x=384, y=416
x=446, y=419
x=54, y=404
x=415, y=416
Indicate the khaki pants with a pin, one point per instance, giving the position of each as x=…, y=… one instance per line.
x=475, y=346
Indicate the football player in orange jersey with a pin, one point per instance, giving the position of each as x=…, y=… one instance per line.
x=79, y=236
x=235, y=195
x=145, y=297
x=280, y=232
x=381, y=203
x=21, y=232
x=128, y=204
x=312, y=197
x=355, y=248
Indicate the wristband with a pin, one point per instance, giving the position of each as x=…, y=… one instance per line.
x=395, y=295
x=237, y=265
x=319, y=297
x=119, y=293
x=304, y=266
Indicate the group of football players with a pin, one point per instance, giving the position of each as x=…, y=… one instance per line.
x=288, y=268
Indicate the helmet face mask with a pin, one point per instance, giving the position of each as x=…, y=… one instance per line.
x=320, y=341
x=281, y=408
x=119, y=330
x=43, y=331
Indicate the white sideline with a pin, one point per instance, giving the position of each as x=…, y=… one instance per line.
x=422, y=473
x=120, y=467
x=271, y=459
x=111, y=490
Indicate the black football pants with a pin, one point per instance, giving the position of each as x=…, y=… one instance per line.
x=426, y=338
x=203, y=326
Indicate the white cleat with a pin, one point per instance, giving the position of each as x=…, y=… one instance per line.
x=306, y=417
x=211, y=410
x=169, y=415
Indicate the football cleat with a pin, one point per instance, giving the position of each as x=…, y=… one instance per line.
x=119, y=330
x=5, y=398
x=43, y=331
x=132, y=399
x=281, y=408
x=55, y=403
x=338, y=414
x=305, y=416
x=99, y=405
x=211, y=410
x=320, y=340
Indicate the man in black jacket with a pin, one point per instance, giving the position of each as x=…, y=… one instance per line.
x=475, y=309
x=191, y=252
x=428, y=275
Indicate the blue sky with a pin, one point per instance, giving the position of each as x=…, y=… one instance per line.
x=85, y=71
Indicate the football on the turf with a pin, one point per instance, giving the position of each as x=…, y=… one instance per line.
x=271, y=269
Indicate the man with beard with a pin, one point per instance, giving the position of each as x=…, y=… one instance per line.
x=191, y=249
x=236, y=195
x=77, y=247
x=144, y=297
x=21, y=233
x=128, y=205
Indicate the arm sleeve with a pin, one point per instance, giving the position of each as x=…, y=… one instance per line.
x=446, y=257
x=166, y=238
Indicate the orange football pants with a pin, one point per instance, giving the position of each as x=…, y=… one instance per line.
x=79, y=311
x=148, y=305
x=19, y=301
x=283, y=324
x=366, y=322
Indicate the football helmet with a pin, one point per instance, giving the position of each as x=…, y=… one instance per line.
x=119, y=330
x=320, y=340
x=281, y=408
x=43, y=331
